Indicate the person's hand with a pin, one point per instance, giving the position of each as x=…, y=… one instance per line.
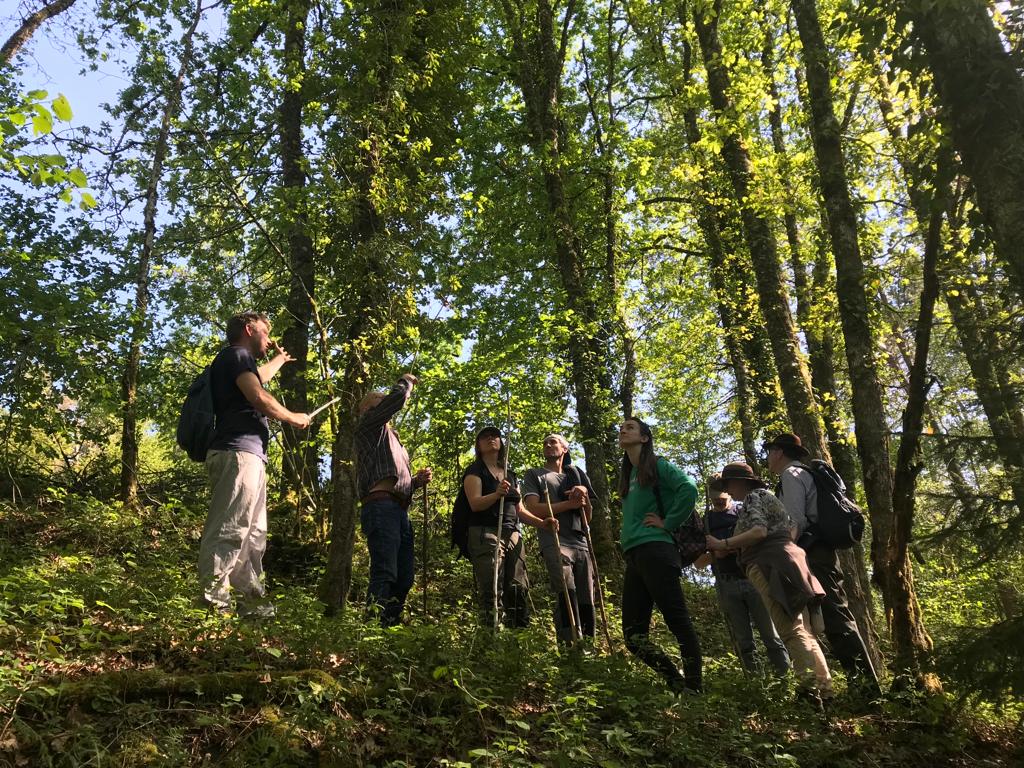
x=413, y=381
x=504, y=487
x=300, y=420
x=551, y=523
x=424, y=476
x=652, y=520
x=283, y=353
x=578, y=495
x=715, y=545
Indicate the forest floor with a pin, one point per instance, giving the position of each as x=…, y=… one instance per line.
x=106, y=660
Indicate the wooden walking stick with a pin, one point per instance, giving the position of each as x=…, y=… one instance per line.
x=426, y=537
x=498, y=548
x=597, y=577
x=561, y=569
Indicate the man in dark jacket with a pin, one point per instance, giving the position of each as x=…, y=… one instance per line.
x=739, y=600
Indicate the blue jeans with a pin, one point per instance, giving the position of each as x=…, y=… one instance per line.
x=389, y=538
x=742, y=605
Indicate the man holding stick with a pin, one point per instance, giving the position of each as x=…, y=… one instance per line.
x=385, y=485
x=570, y=571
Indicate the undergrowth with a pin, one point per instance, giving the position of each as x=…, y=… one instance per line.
x=106, y=660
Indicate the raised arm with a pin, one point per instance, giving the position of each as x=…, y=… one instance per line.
x=392, y=403
x=266, y=403
x=270, y=368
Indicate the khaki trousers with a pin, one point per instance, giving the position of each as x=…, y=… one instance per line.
x=808, y=661
x=235, y=534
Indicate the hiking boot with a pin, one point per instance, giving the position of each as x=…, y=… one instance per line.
x=680, y=687
x=258, y=612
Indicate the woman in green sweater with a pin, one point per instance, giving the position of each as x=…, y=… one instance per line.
x=656, y=498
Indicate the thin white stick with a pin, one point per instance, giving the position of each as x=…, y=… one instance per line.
x=325, y=405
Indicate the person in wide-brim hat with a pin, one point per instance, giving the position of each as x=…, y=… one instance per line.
x=789, y=444
x=777, y=568
x=736, y=472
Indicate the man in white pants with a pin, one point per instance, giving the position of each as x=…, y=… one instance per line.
x=235, y=534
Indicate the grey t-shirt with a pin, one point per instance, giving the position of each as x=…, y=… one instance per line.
x=800, y=496
x=557, y=484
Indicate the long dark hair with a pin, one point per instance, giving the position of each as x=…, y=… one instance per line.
x=647, y=471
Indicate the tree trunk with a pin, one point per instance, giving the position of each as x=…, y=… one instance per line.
x=539, y=65
x=999, y=411
x=709, y=217
x=28, y=28
x=299, y=476
x=774, y=302
x=909, y=634
x=891, y=562
x=968, y=313
x=129, y=482
x=814, y=324
x=361, y=358
x=982, y=96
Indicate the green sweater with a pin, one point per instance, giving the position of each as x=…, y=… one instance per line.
x=678, y=496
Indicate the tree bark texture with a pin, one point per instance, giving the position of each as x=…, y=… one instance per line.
x=540, y=57
x=891, y=562
x=28, y=28
x=772, y=296
x=982, y=96
x=909, y=634
x=299, y=466
x=129, y=480
x=813, y=299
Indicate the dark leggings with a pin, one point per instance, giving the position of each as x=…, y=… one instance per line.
x=652, y=579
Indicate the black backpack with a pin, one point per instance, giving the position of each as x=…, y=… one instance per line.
x=198, y=420
x=458, y=526
x=840, y=521
x=459, y=529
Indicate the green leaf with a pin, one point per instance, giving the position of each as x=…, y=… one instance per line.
x=275, y=652
x=88, y=201
x=78, y=178
x=62, y=108
x=42, y=122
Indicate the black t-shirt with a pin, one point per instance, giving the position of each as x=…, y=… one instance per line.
x=240, y=427
x=489, y=517
x=721, y=526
